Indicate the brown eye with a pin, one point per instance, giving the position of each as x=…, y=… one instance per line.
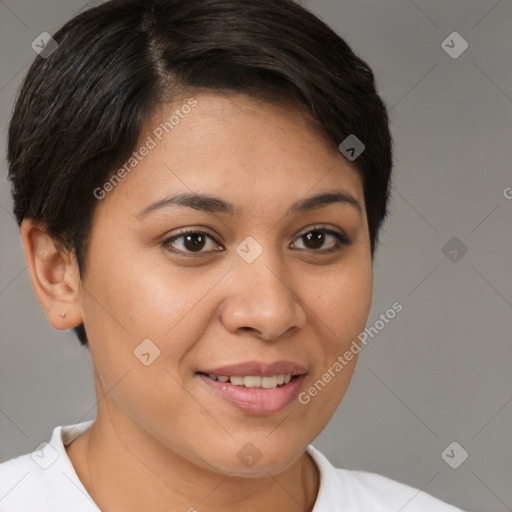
x=315, y=239
x=190, y=242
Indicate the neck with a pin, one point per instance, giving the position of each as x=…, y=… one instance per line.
x=122, y=468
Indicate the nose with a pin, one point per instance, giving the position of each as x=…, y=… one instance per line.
x=262, y=300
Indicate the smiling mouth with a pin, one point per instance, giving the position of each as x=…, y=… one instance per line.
x=258, y=395
x=253, y=381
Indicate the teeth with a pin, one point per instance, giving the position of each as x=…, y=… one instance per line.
x=269, y=382
x=254, y=381
x=237, y=381
x=250, y=382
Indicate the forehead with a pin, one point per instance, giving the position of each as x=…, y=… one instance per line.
x=252, y=152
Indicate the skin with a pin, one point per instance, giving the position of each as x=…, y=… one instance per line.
x=162, y=440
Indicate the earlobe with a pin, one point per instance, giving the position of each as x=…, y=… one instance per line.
x=54, y=274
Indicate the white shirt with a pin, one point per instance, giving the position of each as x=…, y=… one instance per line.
x=45, y=481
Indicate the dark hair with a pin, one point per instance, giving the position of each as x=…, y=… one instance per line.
x=81, y=108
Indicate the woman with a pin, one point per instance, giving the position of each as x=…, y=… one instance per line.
x=200, y=186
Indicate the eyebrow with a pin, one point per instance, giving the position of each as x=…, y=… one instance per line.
x=212, y=204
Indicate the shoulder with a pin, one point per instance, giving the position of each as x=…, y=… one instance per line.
x=361, y=491
x=393, y=495
x=20, y=481
x=45, y=480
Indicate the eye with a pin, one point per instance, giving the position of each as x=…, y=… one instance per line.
x=315, y=238
x=191, y=241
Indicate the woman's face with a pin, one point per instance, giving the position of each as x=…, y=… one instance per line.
x=251, y=286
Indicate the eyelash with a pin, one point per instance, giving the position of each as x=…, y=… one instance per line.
x=341, y=241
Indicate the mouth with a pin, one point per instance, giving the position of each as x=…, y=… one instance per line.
x=256, y=388
x=253, y=381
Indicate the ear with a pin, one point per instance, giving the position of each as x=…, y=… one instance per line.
x=55, y=276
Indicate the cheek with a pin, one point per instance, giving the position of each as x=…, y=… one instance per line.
x=340, y=313
x=124, y=308
x=344, y=305
x=140, y=297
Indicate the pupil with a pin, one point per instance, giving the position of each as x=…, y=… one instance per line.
x=316, y=238
x=194, y=242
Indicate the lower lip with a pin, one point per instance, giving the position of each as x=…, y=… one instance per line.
x=257, y=401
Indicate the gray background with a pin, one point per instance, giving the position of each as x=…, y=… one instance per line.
x=441, y=370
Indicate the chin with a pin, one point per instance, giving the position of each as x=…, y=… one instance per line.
x=253, y=460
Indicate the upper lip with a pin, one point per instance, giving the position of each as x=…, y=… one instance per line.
x=257, y=368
